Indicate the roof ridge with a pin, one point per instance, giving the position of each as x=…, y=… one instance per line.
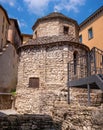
x=98, y=11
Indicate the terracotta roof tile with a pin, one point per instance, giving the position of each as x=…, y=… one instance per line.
x=46, y=40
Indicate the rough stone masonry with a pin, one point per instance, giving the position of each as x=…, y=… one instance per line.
x=43, y=67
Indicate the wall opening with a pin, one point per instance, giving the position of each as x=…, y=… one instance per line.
x=75, y=58
x=66, y=30
x=34, y=82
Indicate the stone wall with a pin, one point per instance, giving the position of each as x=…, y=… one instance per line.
x=50, y=65
x=80, y=96
x=26, y=122
x=68, y=117
x=64, y=117
x=56, y=27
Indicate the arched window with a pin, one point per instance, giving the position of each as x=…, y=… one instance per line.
x=75, y=56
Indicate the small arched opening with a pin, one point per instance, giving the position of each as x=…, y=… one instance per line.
x=75, y=59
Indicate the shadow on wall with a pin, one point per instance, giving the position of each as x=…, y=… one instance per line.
x=8, y=69
x=28, y=122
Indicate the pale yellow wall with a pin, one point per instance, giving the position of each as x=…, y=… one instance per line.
x=97, y=40
x=26, y=38
x=6, y=25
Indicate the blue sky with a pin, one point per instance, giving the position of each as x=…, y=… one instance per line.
x=28, y=11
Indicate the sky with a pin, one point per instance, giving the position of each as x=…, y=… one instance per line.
x=28, y=11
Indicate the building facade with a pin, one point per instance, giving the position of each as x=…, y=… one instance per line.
x=10, y=39
x=14, y=34
x=91, y=30
x=43, y=67
x=4, y=25
x=62, y=25
x=26, y=37
x=8, y=69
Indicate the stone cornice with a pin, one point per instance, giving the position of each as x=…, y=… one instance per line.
x=52, y=41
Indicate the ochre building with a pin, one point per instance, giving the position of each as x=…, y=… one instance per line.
x=4, y=25
x=91, y=30
x=14, y=34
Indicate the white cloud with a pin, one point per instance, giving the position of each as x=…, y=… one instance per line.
x=20, y=9
x=37, y=6
x=40, y=6
x=69, y=5
x=22, y=23
x=10, y=2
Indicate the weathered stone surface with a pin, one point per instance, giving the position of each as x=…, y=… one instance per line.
x=46, y=57
x=80, y=96
x=64, y=117
x=26, y=122
x=50, y=65
x=77, y=117
x=54, y=26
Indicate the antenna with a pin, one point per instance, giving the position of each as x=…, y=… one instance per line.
x=56, y=9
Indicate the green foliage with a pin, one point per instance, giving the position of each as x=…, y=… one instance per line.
x=13, y=92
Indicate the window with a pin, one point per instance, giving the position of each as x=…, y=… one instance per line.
x=90, y=33
x=34, y=82
x=3, y=19
x=66, y=30
x=75, y=55
x=1, y=44
x=36, y=34
x=3, y=28
x=80, y=38
x=3, y=25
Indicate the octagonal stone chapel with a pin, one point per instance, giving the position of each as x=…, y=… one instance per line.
x=43, y=65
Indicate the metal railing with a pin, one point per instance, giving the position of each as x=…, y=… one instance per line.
x=96, y=59
x=86, y=65
x=78, y=68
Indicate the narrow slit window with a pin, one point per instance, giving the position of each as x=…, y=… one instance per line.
x=75, y=55
x=80, y=38
x=90, y=33
x=36, y=34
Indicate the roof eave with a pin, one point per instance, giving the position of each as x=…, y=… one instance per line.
x=91, y=16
